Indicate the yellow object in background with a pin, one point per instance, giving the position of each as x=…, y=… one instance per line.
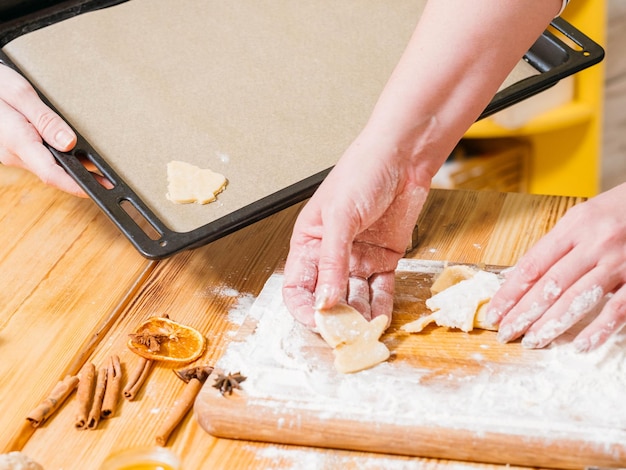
x=565, y=141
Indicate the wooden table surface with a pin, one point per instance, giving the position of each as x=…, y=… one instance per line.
x=73, y=288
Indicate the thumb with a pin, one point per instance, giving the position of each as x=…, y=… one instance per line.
x=52, y=128
x=21, y=95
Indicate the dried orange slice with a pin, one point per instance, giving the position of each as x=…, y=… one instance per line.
x=162, y=339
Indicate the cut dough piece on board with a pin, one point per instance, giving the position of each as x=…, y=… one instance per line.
x=187, y=183
x=461, y=302
x=452, y=275
x=354, y=340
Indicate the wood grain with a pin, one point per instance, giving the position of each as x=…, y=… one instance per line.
x=58, y=286
x=196, y=288
x=277, y=405
x=484, y=227
x=73, y=288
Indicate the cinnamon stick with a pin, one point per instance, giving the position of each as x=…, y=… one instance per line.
x=84, y=394
x=113, y=385
x=51, y=403
x=96, y=405
x=179, y=410
x=136, y=380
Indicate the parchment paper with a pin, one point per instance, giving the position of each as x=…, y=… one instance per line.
x=266, y=92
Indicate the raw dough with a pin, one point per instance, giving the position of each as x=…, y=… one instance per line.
x=452, y=275
x=460, y=297
x=187, y=183
x=354, y=340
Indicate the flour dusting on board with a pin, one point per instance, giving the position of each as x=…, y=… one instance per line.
x=297, y=459
x=238, y=313
x=564, y=393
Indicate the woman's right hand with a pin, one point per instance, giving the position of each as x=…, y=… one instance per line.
x=25, y=123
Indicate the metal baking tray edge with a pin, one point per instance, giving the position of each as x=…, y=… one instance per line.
x=550, y=55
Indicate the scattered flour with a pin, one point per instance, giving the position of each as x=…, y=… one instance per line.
x=564, y=394
x=239, y=312
x=551, y=290
x=223, y=157
x=581, y=305
x=230, y=292
x=297, y=459
x=218, y=289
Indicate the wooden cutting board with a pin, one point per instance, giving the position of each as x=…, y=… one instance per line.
x=443, y=393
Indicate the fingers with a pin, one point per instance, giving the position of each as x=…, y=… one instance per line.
x=334, y=259
x=566, y=278
x=371, y=297
x=382, y=288
x=527, y=273
x=540, y=296
x=300, y=280
x=568, y=292
x=611, y=319
x=21, y=96
x=564, y=314
x=39, y=161
x=25, y=121
x=359, y=296
x=21, y=146
x=299, y=302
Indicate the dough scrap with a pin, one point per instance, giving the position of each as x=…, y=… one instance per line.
x=354, y=340
x=461, y=295
x=188, y=184
x=452, y=275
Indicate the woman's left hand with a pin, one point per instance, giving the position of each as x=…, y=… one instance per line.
x=567, y=275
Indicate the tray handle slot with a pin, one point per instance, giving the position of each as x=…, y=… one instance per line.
x=104, y=175
x=100, y=174
x=117, y=200
x=141, y=221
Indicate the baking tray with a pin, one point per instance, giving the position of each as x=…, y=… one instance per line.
x=553, y=57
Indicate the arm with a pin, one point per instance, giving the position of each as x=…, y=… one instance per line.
x=349, y=237
x=25, y=122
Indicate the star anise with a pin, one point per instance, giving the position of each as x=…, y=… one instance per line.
x=152, y=340
x=227, y=383
x=201, y=373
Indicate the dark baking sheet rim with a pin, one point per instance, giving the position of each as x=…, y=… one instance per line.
x=550, y=55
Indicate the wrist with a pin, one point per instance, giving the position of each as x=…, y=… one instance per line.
x=418, y=147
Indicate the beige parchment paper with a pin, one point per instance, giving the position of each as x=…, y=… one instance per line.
x=266, y=92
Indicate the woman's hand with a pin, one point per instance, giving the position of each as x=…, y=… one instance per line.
x=349, y=237
x=567, y=275
x=25, y=122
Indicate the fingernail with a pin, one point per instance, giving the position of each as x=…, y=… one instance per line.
x=493, y=316
x=63, y=139
x=582, y=345
x=505, y=334
x=323, y=296
x=530, y=341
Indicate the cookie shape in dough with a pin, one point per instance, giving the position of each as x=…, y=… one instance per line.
x=354, y=340
x=187, y=183
x=460, y=297
x=452, y=275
